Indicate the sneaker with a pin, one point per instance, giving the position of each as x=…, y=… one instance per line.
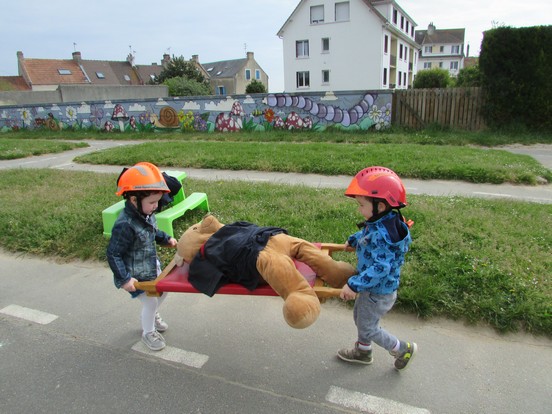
x=403, y=358
x=154, y=341
x=355, y=355
x=160, y=324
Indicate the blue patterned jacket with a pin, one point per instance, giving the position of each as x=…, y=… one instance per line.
x=380, y=247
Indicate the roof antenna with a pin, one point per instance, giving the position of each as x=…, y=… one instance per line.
x=74, y=47
x=245, y=48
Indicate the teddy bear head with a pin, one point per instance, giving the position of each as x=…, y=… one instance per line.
x=195, y=236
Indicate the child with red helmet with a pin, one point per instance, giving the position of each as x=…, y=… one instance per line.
x=131, y=252
x=381, y=245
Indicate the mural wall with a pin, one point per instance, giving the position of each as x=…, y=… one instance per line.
x=339, y=110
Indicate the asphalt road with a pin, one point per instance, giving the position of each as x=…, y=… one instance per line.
x=69, y=343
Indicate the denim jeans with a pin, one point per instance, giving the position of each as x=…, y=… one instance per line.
x=369, y=309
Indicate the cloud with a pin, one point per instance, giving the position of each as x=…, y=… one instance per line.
x=222, y=105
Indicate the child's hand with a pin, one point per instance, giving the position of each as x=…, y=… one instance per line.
x=129, y=286
x=347, y=293
x=172, y=242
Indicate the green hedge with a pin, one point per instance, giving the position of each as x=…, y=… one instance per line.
x=516, y=70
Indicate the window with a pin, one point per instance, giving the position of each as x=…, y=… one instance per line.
x=407, y=26
x=427, y=65
x=412, y=31
x=384, y=76
x=400, y=51
x=303, y=80
x=402, y=22
x=317, y=14
x=325, y=45
x=404, y=78
x=441, y=49
x=221, y=90
x=342, y=11
x=257, y=74
x=386, y=44
x=455, y=50
x=441, y=65
x=454, y=65
x=248, y=74
x=302, y=48
x=64, y=71
x=400, y=77
x=427, y=49
x=100, y=75
x=395, y=16
x=325, y=76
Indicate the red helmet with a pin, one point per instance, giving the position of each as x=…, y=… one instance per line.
x=378, y=182
x=144, y=176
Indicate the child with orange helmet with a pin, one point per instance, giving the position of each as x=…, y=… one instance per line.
x=131, y=252
x=381, y=245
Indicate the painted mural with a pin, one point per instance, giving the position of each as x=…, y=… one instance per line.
x=342, y=111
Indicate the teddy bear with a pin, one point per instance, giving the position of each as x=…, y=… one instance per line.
x=251, y=255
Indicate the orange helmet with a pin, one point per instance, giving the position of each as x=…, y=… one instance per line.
x=144, y=176
x=378, y=182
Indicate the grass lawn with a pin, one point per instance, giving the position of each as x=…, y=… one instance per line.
x=481, y=261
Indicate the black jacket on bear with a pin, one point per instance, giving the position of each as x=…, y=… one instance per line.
x=230, y=256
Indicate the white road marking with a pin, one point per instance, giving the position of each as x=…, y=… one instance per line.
x=32, y=315
x=170, y=353
x=368, y=403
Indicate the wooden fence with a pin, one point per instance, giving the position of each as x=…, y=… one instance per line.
x=457, y=108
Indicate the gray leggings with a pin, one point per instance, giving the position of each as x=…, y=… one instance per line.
x=369, y=309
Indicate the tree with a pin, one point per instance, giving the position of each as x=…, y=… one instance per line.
x=183, y=78
x=432, y=78
x=469, y=77
x=178, y=67
x=255, y=87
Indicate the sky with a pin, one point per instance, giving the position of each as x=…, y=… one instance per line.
x=213, y=29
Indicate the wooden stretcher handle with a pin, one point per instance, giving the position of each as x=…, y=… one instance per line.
x=149, y=286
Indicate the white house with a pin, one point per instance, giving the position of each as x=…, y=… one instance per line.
x=442, y=49
x=334, y=45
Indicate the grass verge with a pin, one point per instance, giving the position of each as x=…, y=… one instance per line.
x=20, y=148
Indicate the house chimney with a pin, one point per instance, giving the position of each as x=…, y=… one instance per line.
x=77, y=56
x=250, y=55
x=166, y=60
x=195, y=58
x=430, y=28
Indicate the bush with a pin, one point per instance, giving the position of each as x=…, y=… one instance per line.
x=255, y=87
x=432, y=78
x=468, y=77
x=186, y=87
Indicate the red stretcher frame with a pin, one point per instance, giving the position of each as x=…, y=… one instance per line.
x=175, y=279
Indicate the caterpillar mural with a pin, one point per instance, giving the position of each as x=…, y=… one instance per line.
x=327, y=112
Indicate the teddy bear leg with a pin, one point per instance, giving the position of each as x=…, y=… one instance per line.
x=334, y=273
x=301, y=305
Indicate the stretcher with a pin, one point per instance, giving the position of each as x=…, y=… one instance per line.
x=175, y=279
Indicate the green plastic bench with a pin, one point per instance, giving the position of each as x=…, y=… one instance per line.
x=177, y=208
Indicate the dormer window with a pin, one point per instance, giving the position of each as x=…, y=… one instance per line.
x=64, y=71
